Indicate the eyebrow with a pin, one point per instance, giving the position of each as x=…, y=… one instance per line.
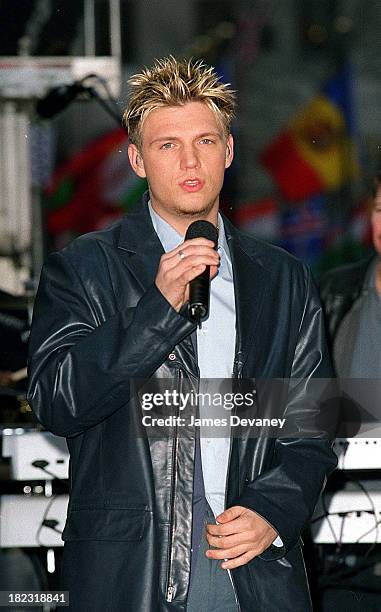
x=204, y=135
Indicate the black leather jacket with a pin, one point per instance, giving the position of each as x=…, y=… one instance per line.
x=99, y=323
x=339, y=289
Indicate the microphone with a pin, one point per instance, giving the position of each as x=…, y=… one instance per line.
x=199, y=288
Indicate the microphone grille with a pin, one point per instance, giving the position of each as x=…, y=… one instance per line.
x=202, y=229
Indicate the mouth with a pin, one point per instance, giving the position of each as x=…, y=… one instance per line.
x=192, y=185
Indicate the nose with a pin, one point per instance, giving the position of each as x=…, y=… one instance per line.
x=189, y=157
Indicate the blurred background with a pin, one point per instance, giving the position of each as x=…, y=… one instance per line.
x=308, y=142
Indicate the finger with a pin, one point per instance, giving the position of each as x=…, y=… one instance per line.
x=188, y=263
x=186, y=244
x=227, y=553
x=230, y=514
x=229, y=541
x=198, y=241
x=190, y=247
x=189, y=275
x=236, y=526
x=186, y=253
x=184, y=270
x=241, y=560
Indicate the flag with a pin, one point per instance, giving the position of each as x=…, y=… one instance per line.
x=304, y=229
x=261, y=218
x=92, y=188
x=316, y=152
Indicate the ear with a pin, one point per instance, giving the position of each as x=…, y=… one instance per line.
x=229, y=151
x=136, y=160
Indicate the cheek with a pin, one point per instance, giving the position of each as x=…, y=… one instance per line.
x=160, y=173
x=217, y=169
x=376, y=226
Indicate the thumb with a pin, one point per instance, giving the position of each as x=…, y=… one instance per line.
x=213, y=272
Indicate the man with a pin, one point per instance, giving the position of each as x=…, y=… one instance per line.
x=351, y=295
x=112, y=309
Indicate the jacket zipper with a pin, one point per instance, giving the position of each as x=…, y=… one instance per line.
x=237, y=373
x=170, y=590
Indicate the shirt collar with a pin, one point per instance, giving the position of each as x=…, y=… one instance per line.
x=170, y=238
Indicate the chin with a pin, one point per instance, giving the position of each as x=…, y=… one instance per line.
x=194, y=208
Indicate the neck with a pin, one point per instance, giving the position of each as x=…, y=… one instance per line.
x=181, y=221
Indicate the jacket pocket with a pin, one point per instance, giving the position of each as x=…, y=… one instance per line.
x=121, y=525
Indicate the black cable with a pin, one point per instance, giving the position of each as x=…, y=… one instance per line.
x=58, y=98
x=323, y=503
x=341, y=513
x=352, y=571
x=41, y=464
x=338, y=570
x=373, y=511
x=366, y=533
x=49, y=523
x=44, y=518
x=104, y=84
x=93, y=94
x=372, y=546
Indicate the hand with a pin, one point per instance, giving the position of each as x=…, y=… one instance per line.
x=178, y=267
x=241, y=535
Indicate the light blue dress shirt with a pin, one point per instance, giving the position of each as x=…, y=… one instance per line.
x=215, y=352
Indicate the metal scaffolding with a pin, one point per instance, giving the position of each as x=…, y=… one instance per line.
x=24, y=79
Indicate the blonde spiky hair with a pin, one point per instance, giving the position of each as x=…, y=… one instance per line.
x=171, y=82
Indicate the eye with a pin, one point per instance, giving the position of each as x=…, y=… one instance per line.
x=167, y=145
x=206, y=141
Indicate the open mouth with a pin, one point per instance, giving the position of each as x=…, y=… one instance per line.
x=192, y=185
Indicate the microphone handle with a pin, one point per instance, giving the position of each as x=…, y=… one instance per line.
x=199, y=291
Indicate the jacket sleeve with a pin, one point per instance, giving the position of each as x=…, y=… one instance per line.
x=80, y=368
x=286, y=494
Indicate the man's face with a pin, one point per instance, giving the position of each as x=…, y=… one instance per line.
x=184, y=154
x=376, y=222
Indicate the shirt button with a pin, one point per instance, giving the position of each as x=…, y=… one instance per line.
x=172, y=356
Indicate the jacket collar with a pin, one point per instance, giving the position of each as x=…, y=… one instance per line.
x=139, y=244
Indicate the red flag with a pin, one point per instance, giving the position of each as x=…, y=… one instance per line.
x=93, y=187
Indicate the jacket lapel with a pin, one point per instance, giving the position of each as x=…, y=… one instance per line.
x=250, y=289
x=139, y=245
